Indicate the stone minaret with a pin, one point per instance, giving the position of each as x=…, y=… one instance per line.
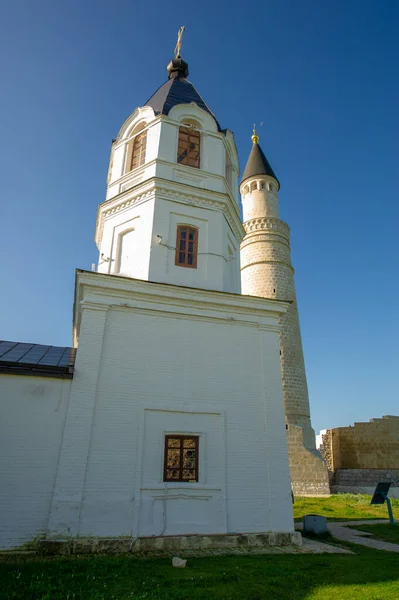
x=266, y=271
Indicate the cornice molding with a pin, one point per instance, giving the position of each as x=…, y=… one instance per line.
x=170, y=190
x=140, y=113
x=152, y=163
x=123, y=293
x=257, y=178
x=267, y=223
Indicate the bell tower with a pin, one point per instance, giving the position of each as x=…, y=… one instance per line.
x=171, y=213
x=266, y=271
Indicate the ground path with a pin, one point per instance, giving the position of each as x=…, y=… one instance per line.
x=341, y=531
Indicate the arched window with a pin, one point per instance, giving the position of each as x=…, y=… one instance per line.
x=253, y=186
x=188, y=150
x=186, y=246
x=139, y=148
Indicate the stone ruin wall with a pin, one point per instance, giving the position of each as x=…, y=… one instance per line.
x=362, y=455
x=309, y=475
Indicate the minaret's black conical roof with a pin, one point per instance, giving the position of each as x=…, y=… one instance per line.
x=257, y=163
x=177, y=90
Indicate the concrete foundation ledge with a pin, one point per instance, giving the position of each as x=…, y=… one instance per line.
x=166, y=545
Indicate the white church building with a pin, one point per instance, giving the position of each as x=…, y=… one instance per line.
x=168, y=418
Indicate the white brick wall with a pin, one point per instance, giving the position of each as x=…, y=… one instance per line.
x=172, y=360
x=32, y=416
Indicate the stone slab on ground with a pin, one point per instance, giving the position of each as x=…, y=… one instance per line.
x=316, y=524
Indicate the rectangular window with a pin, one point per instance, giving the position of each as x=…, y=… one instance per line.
x=181, y=458
x=186, y=246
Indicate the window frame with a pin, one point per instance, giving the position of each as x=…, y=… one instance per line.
x=186, y=252
x=138, y=144
x=194, y=136
x=181, y=437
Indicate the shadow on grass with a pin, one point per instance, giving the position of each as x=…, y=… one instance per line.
x=369, y=574
x=381, y=531
x=322, y=537
x=343, y=519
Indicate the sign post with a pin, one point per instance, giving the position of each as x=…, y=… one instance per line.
x=380, y=496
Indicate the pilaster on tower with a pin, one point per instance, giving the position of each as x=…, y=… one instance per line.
x=266, y=271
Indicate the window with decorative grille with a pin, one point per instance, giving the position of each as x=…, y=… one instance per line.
x=181, y=458
x=139, y=148
x=188, y=152
x=186, y=246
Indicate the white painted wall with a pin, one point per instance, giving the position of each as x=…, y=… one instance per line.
x=319, y=437
x=215, y=270
x=161, y=150
x=32, y=415
x=156, y=359
x=145, y=256
x=138, y=219
x=139, y=201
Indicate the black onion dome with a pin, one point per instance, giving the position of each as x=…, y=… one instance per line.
x=177, y=90
x=258, y=165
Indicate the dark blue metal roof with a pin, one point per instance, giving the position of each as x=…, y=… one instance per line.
x=36, y=359
x=258, y=165
x=177, y=90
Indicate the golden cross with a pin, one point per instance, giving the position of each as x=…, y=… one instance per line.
x=178, y=45
x=255, y=137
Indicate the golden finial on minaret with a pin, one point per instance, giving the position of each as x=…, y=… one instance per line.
x=178, y=45
x=255, y=137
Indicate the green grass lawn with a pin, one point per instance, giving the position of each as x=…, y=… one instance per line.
x=343, y=507
x=367, y=575
x=383, y=531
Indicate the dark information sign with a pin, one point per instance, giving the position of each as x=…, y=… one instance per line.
x=380, y=493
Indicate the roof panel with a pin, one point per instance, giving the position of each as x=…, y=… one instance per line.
x=68, y=358
x=16, y=353
x=34, y=355
x=36, y=359
x=52, y=356
x=6, y=346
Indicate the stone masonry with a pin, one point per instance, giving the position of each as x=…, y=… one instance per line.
x=363, y=455
x=266, y=271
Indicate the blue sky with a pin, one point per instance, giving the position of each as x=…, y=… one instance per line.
x=321, y=76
